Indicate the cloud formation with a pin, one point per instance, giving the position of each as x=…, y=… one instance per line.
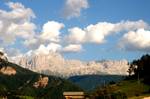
x=97, y=33
x=138, y=40
x=52, y=47
x=130, y=25
x=73, y=48
x=76, y=35
x=73, y=8
x=51, y=31
x=16, y=23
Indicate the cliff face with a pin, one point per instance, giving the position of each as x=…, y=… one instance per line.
x=41, y=61
x=55, y=64
x=41, y=83
x=8, y=70
x=4, y=68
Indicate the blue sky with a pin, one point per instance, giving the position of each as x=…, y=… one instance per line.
x=118, y=23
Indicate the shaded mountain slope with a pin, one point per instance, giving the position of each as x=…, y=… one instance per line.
x=89, y=82
x=23, y=82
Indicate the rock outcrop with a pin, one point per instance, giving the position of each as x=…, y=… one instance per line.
x=41, y=83
x=4, y=69
x=146, y=98
x=8, y=71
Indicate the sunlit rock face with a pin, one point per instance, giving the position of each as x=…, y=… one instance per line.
x=41, y=83
x=4, y=69
x=8, y=71
x=42, y=61
x=55, y=64
x=146, y=98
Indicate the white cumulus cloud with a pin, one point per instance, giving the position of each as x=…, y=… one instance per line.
x=47, y=49
x=76, y=35
x=136, y=40
x=51, y=31
x=97, y=33
x=54, y=47
x=25, y=30
x=31, y=42
x=73, y=48
x=16, y=23
x=1, y=25
x=73, y=8
x=130, y=25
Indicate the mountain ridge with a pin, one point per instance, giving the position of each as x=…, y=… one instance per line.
x=55, y=64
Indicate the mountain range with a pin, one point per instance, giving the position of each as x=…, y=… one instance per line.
x=54, y=64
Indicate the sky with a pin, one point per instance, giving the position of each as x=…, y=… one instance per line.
x=77, y=29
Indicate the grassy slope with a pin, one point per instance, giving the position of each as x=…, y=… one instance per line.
x=126, y=88
x=131, y=88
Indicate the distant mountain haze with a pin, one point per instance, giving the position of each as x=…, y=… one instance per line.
x=54, y=64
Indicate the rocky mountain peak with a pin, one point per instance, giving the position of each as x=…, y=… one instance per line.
x=55, y=64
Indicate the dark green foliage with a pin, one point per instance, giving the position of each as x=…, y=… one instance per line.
x=141, y=69
x=118, y=95
x=112, y=82
x=3, y=90
x=108, y=92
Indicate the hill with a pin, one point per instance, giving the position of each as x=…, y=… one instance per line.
x=17, y=82
x=126, y=89
x=89, y=82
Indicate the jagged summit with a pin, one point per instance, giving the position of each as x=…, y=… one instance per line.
x=54, y=64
